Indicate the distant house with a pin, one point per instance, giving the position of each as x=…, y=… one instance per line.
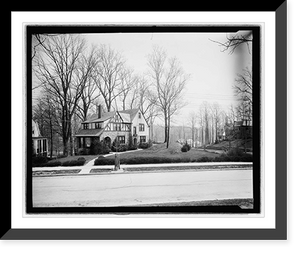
x=115, y=125
x=39, y=143
x=243, y=128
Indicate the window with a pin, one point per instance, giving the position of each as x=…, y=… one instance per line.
x=121, y=139
x=140, y=115
x=98, y=125
x=134, y=130
x=39, y=149
x=141, y=127
x=117, y=127
x=142, y=139
x=88, y=142
x=44, y=145
x=85, y=126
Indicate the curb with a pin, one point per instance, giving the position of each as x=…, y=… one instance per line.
x=131, y=168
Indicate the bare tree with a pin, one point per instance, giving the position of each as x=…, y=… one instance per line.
x=234, y=41
x=84, y=75
x=129, y=82
x=109, y=74
x=45, y=114
x=192, y=123
x=216, y=113
x=55, y=67
x=243, y=85
x=169, y=79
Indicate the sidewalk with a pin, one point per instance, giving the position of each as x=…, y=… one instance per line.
x=86, y=169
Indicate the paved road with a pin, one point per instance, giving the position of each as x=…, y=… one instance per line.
x=141, y=188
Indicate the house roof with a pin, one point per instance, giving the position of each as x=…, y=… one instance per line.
x=131, y=112
x=127, y=116
x=243, y=123
x=89, y=132
x=94, y=118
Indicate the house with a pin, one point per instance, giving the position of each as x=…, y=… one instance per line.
x=243, y=129
x=39, y=143
x=111, y=126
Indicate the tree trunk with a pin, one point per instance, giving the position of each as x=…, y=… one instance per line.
x=168, y=136
x=216, y=132
x=166, y=128
x=51, y=140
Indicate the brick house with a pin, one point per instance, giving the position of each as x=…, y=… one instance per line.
x=110, y=126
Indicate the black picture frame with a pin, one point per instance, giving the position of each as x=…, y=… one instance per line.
x=278, y=233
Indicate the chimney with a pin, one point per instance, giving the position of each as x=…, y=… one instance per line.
x=99, y=111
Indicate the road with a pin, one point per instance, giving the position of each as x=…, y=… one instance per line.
x=141, y=188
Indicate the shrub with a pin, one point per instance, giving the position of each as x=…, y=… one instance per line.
x=83, y=151
x=235, y=152
x=104, y=161
x=120, y=148
x=99, y=147
x=204, y=159
x=185, y=148
x=73, y=163
x=234, y=155
x=53, y=164
x=39, y=160
x=145, y=145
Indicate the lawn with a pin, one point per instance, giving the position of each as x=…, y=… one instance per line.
x=159, y=154
x=174, y=151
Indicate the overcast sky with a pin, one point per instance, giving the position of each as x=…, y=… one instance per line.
x=212, y=71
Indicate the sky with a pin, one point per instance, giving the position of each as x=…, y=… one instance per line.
x=212, y=72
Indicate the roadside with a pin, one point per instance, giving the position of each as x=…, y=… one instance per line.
x=134, y=168
x=242, y=203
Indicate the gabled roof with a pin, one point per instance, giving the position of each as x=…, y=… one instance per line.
x=131, y=112
x=126, y=115
x=94, y=118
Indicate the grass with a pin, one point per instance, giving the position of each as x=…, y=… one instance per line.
x=159, y=154
x=173, y=151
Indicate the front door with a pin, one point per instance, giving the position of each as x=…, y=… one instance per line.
x=107, y=141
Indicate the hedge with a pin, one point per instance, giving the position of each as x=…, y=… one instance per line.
x=73, y=163
x=155, y=160
x=79, y=162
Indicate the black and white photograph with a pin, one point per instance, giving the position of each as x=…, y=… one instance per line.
x=151, y=130
x=144, y=119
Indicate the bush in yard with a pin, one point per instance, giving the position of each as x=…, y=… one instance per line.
x=73, y=163
x=104, y=161
x=234, y=155
x=144, y=145
x=185, y=148
x=204, y=159
x=83, y=151
x=131, y=145
x=53, y=164
x=99, y=147
x=39, y=160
